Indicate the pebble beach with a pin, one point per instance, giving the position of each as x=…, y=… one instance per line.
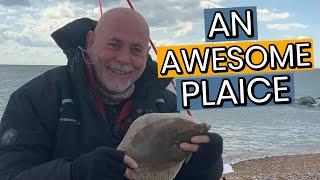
x=291, y=167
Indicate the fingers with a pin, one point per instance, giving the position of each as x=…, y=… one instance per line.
x=132, y=164
x=189, y=147
x=200, y=139
x=128, y=174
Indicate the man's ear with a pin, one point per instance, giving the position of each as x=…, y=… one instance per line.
x=90, y=39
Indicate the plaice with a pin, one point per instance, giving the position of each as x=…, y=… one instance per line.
x=153, y=142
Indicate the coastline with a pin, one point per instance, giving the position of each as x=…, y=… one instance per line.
x=302, y=166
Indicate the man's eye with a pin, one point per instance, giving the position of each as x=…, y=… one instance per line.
x=114, y=45
x=136, y=50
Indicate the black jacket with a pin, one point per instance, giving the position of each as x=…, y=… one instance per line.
x=54, y=117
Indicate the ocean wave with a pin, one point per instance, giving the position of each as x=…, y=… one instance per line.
x=227, y=168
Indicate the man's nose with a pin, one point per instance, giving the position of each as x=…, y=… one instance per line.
x=124, y=56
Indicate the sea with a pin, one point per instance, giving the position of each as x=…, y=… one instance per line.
x=248, y=132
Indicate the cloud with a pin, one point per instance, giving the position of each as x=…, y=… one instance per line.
x=14, y=53
x=4, y=27
x=28, y=3
x=179, y=30
x=68, y=10
x=167, y=13
x=289, y=36
x=7, y=11
x=163, y=42
x=267, y=15
x=206, y=4
x=303, y=37
x=26, y=39
x=36, y=27
x=183, y=29
x=158, y=43
x=15, y=2
x=29, y=28
x=173, y=17
x=286, y=26
x=95, y=2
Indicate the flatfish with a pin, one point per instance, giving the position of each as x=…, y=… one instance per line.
x=153, y=142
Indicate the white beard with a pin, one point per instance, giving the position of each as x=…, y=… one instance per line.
x=119, y=85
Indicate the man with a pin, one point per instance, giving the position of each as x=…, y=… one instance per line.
x=66, y=123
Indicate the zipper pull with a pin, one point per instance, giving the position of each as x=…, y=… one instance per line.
x=115, y=114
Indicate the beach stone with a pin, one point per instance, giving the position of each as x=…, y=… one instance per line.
x=290, y=167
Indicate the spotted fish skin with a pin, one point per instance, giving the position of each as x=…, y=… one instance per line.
x=153, y=141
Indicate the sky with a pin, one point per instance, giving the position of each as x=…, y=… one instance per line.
x=26, y=25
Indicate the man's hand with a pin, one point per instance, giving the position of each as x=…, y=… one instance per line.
x=103, y=163
x=196, y=140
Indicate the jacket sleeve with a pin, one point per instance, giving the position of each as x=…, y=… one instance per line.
x=25, y=147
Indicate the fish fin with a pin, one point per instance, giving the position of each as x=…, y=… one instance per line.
x=188, y=158
x=166, y=174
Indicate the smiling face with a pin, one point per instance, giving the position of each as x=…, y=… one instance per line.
x=120, y=45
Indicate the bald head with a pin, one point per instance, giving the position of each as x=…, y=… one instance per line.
x=122, y=18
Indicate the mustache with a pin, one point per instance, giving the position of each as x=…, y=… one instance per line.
x=120, y=67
